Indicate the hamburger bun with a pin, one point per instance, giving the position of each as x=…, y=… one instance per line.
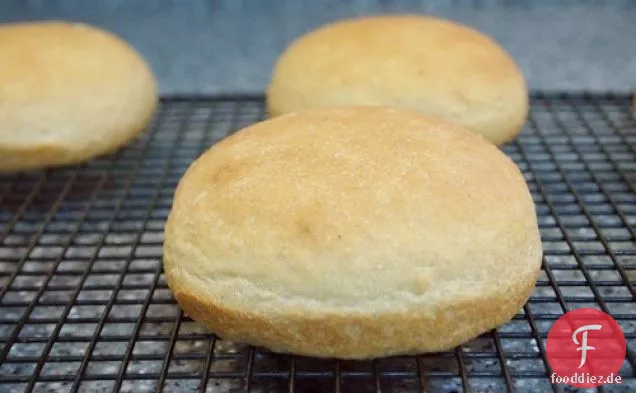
x=352, y=232
x=68, y=92
x=437, y=67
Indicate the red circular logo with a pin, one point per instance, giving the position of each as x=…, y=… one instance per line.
x=586, y=348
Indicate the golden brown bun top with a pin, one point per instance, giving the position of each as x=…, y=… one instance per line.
x=56, y=78
x=351, y=207
x=62, y=56
x=438, y=67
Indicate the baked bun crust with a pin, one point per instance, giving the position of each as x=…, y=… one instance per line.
x=437, y=67
x=68, y=92
x=352, y=232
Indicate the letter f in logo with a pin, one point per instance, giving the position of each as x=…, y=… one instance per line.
x=584, y=347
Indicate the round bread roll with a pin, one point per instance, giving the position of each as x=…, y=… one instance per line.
x=68, y=92
x=437, y=67
x=352, y=232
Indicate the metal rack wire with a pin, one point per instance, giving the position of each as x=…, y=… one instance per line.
x=84, y=305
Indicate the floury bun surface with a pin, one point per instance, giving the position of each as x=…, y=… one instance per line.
x=435, y=66
x=68, y=92
x=352, y=232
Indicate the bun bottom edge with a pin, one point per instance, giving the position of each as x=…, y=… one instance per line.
x=358, y=335
x=42, y=156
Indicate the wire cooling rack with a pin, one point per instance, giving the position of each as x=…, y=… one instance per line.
x=84, y=305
